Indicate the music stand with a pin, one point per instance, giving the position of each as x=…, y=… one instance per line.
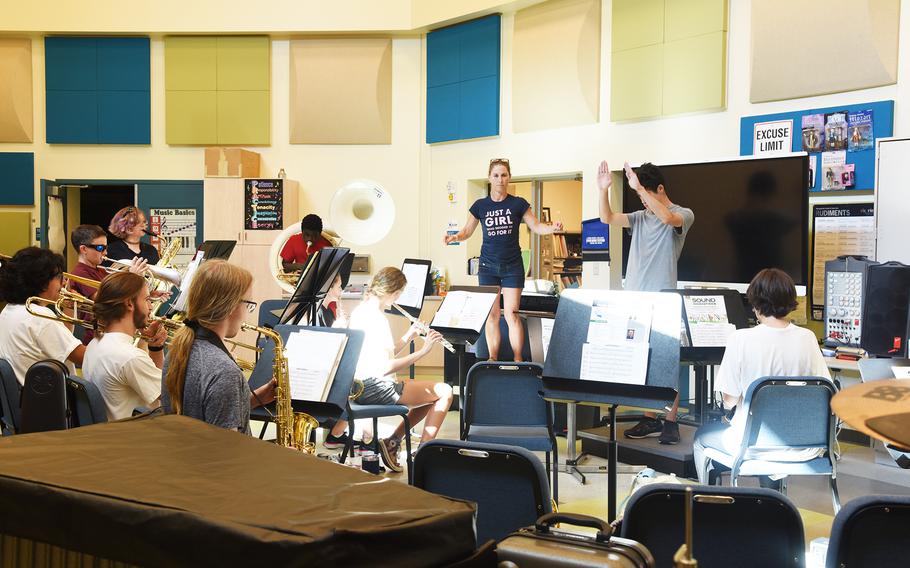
x=562, y=369
x=702, y=357
x=217, y=249
x=460, y=337
x=337, y=399
x=315, y=281
x=417, y=271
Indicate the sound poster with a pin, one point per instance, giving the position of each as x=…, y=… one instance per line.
x=263, y=201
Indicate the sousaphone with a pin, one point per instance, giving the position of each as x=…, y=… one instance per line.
x=361, y=213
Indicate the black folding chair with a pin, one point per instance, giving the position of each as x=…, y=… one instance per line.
x=44, y=401
x=10, y=413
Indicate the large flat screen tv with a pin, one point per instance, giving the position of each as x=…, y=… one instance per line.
x=750, y=213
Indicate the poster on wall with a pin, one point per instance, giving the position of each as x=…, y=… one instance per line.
x=773, y=137
x=838, y=229
x=263, y=204
x=175, y=224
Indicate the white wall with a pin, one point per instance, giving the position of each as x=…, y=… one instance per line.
x=696, y=137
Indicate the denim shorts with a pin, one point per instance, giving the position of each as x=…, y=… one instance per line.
x=380, y=391
x=504, y=275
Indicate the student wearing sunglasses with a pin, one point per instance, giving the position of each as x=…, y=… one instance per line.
x=90, y=242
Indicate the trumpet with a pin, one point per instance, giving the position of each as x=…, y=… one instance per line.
x=424, y=328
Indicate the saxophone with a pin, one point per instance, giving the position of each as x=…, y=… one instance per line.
x=294, y=428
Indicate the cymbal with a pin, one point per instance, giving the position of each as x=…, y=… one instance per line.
x=880, y=409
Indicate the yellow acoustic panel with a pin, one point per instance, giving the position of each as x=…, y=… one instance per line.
x=189, y=63
x=637, y=23
x=695, y=74
x=690, y=18
x=341, y=91
x=637, y=83
x=560, y=41
x=16, y=124
x=15, y=230
x=795, y=52
x=243, y=117
x=243, y=63
x=191, y=117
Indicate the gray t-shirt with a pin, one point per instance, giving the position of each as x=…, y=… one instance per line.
x=215, y=390
x=655, y=249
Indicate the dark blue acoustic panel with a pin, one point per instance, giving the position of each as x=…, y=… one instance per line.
x=72, y=117
x=17, y=184
x=98, y=90
x=463, y=80
x=70, y=64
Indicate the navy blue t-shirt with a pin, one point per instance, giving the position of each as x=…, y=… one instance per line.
x=500, y=221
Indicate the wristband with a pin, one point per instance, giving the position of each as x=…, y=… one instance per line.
x=155, y=349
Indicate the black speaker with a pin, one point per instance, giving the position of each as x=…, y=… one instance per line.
x=886, y=302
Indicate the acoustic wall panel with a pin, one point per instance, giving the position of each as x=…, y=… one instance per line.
x=17, y=178
x=16, y=121
x=690, y=18
x=98, y=90
x=637, y=23
x=694, y=74
x=463, y=72
x=353, y=107
x=15, y=230
x=561, y=42
x=795, y=52
x=636, y=94
x=218, y=90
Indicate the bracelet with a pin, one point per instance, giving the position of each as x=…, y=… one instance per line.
x=156, y=349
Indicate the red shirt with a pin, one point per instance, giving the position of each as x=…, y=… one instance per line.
x=86, y=271
x=295, y=250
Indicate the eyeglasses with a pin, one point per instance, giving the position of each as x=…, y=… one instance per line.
x=250, y=305
x=99, y=248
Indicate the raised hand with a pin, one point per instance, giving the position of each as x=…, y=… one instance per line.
x=632, y=177
x=604, y=179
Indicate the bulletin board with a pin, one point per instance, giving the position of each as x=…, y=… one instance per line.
x=862, y=160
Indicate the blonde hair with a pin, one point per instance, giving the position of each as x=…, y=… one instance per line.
x=217, y=288
x=387, y=281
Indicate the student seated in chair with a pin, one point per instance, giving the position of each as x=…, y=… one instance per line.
x=773, y=348
x=378, y=365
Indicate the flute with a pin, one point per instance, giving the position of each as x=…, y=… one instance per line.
x=424, y=327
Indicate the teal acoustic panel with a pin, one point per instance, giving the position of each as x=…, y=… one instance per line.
x=98, y=90
x=17, y=178
x=463, y=71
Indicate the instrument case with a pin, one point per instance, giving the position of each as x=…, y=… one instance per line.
x=541, y=546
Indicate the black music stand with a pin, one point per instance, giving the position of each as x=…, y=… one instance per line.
x=562, y=369
x=314, y=283
x=460, y=338
x=703, y=357
x=337, y=399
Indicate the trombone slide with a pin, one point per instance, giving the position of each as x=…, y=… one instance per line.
x=423, y=327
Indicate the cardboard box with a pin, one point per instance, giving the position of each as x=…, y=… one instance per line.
x=231, y=163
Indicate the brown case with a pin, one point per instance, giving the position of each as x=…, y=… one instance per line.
x=540, y=546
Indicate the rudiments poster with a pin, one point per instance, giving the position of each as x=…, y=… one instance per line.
x=839, y=229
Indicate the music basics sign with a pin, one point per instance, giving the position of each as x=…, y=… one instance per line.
x=263, y=204
x=773, y=137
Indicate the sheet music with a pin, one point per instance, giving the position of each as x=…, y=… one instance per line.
x=180, y=303
x=313, y=358
x=900, y=372
x=416, y=274
x=615, y=323
x=708, y=323
x=465, y=310
x=546, y=331
x=615, y=363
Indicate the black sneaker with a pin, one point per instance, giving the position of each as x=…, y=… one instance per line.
x=647, y=428
x=335, y=442
x=670, y=433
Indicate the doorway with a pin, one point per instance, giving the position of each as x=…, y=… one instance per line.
x=99, y=203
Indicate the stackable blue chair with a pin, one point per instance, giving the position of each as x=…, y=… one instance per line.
x=871, y=531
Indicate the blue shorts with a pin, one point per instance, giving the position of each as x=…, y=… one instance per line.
x=504, y=275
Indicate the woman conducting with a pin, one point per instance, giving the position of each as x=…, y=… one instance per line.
x=200, y=377
x=500, y=255
x=378, y=365
x=128, y=226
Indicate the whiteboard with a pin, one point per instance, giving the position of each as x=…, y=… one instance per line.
x=892, y=200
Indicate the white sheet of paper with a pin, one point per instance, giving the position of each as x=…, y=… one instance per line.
x=900, y=372
x=416, y=275
x=311, y=356
x=464, y=310
x=606, y=363
x=546, y=330
x=616, y=323
x=708, y=323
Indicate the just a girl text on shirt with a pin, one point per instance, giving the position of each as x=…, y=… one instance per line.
x=498, y=222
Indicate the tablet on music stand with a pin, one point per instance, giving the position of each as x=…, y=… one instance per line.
x=417, y=272
x=315, y=281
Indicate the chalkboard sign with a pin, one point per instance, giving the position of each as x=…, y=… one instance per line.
x=263, y=204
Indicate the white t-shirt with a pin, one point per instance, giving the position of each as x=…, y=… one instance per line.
x=378, y=345
x=126, y=375
x=764, y=351
x=26, y=339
